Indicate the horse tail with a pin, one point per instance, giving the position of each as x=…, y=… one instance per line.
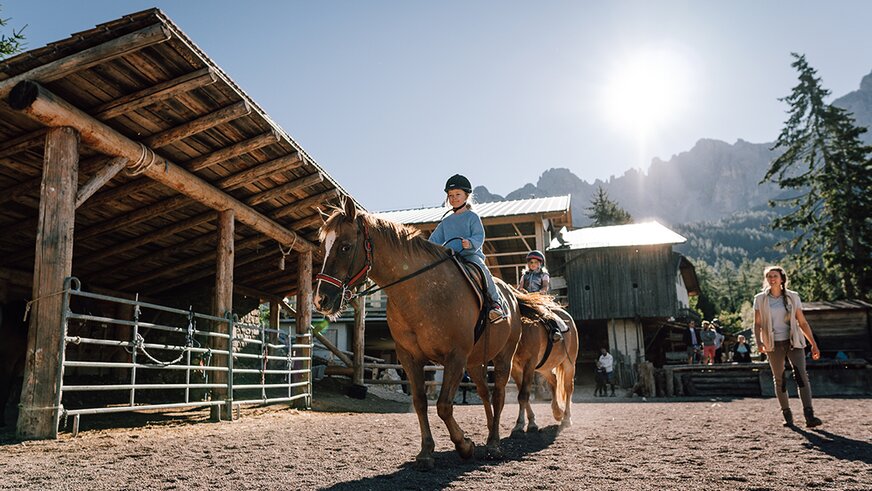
x=560, y=388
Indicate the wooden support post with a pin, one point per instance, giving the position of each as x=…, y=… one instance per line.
x=39, y=413
x=224, y=307
x=274, y=320
x=359, y=305
x=304, y=309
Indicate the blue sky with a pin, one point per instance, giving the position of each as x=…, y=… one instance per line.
x=392, y=97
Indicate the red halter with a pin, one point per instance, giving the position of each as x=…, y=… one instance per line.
x=361, y=276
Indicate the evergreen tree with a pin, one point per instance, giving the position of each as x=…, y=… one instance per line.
x=604, y=211
x=826, y=162
x=9, y=45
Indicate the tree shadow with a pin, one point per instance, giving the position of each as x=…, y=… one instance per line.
x=838, y=446
x=450, y=467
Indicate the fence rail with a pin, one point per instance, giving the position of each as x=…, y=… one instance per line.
x=120, y=355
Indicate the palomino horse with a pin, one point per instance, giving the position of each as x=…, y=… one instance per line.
x=431, y=315
x=558, y=367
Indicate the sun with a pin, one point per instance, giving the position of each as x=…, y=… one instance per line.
x=646, y=90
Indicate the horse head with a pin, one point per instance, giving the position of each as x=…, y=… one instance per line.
x=347, y=259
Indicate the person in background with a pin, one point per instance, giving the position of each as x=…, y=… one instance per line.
x=463, y=232
x=692, y=341
x=608, y=363
x=709, y=337
x=782, y=332
x=741, y=351
x=719, y=341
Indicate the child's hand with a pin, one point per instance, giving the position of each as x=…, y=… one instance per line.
x=466, y=243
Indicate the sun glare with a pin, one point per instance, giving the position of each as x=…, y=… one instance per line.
x=646, y=90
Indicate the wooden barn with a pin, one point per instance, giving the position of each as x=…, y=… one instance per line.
x=624, y=287
x=843, y=325
x=130, y=160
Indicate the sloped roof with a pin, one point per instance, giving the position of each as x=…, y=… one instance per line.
x=144, y=78
x=634, y=234
x=531, y=206
x=837, y=305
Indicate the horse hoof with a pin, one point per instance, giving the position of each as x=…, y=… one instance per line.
x=424, y=463
x=564, y=425
x=533, y=429
x=516, y=432
x=493, y=453
x=466, y=449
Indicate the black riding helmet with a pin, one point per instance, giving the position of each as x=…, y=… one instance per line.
x=458, y=182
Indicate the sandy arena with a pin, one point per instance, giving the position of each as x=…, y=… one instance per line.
x=347, y=444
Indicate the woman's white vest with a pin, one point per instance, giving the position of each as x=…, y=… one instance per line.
x=767, y=332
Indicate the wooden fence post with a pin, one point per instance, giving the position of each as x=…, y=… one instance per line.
x=304, y=308
x=223, y=307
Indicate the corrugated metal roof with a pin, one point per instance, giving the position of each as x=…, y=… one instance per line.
x=634, y=234
x=556, y=204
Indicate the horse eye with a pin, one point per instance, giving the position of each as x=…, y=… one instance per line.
x=345, y=248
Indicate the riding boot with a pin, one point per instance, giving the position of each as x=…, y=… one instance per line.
x=613, y=391
x=556, y=335
x=788, y=416
x=810, y=419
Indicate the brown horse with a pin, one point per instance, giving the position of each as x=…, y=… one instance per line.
x=558, y=368
x=431, y=316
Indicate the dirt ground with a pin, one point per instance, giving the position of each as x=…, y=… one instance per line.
x=348, y=444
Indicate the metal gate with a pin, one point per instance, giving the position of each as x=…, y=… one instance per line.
x=122, y=355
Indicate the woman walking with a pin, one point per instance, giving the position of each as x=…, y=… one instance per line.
x=781, y=331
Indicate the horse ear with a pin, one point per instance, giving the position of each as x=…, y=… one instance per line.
x=350, y=209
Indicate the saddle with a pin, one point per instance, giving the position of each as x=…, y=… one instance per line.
x=475, y=277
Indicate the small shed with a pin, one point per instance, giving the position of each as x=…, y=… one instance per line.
x=842, y=325
x=623, y=284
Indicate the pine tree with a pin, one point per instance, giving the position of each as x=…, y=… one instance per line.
x=12, y=44
x=827, y=163
x=604, y=211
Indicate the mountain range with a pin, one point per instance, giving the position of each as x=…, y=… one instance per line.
x=711, y=193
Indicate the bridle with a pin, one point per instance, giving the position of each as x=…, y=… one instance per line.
x=352, y=280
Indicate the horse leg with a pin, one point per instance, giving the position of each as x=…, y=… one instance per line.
x=518, y=377
x=551, y=378
x=479, y=377
x=452, y=374
x=502, y=368
x=415, y=373
x=568, y=375
x=524, y=388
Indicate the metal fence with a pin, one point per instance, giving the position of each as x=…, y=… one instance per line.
x=127, y=355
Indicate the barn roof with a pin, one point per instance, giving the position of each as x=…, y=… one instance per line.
x=837, y=305
x=634, y=234
x=144, y=78
x=557, y=205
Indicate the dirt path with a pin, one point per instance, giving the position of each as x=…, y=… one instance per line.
x=616, y=444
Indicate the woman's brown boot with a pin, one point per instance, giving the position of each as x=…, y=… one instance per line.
x=788, y=417
x=810, y=419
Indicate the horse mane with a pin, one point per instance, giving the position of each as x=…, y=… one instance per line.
x=399, y=235
x=535, y=305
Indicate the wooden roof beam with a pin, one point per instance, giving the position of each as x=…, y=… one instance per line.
x=286, y=189
x=199, y=125
x=85, y=59
x=203, y=273
x=306, y=204
x=19, y=144
x=155, y=94
x=233, y=151
x=39, y=103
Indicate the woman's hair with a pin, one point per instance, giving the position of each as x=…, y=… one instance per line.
x=766, y=288
x=741, y=337
x=780, y=271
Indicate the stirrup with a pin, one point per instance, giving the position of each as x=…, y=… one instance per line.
x=556, y=336
x=496, y=313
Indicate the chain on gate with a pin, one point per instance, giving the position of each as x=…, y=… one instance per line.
x=190, y=342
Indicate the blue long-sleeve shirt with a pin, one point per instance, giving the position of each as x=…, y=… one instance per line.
x=466, y=225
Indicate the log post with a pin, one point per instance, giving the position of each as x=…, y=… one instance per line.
x=304, y=310
x=223, y=308
x=39, y=413
x=359, y=305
